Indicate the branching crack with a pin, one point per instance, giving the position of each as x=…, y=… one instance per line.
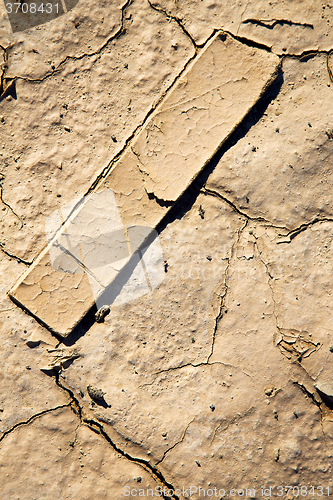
x=194, y=365
x=223, y=297
x=211, y=192
x=177, y=20
x=30, y=419
x=98, y=428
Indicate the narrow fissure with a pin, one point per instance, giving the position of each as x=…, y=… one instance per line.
x=94, y=425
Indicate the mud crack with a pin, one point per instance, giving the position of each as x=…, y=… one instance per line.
x=4, y=83
x=303, y=227
x=234, y=419
x=30, y=419
x=211, y=192
x=223, y=297
x=12, y=256
x=176, y=444
x=271, y=23
x=177, y=20
x=99, y=429
x=8, y=206
x=11, y=81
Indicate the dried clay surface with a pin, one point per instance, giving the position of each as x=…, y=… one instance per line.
x=59, y=134
x=283, y=27
x=185, y=130
x=205, y=359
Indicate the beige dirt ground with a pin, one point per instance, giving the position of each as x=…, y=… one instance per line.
x=212, y=123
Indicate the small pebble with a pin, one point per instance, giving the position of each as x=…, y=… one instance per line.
x=95, y=394
x=101, y=313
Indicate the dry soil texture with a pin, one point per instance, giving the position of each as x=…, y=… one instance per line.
x=203, y=129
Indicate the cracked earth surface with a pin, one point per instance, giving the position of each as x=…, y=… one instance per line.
x=212, y=124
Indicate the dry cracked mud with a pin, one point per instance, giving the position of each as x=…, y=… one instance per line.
x=166, y=245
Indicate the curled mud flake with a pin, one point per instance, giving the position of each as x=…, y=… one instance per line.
x=60, y=358
x=101, y=313
x=95, y=394
x=201, y=212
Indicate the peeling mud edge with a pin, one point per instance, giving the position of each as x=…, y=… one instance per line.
x=30, y=313
x=99, y=429
x=197, y=184
x=175, y=208
x=323, y=406
x=2, y=76
x=112, y=163
x=107, y=170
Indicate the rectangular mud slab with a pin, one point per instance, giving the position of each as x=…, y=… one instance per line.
x=200, y=112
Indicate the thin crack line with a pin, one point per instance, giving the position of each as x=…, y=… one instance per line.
x=233, y=420
x=175, y=368
x=217, y=319
x=270, y=279
x=79, y=262
x=223, y=297
x=7, y=205
x=176, y=444
x=97, y=427
x=324, y=365
x=30, y=419
x=241, y=17
x=330, y=74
